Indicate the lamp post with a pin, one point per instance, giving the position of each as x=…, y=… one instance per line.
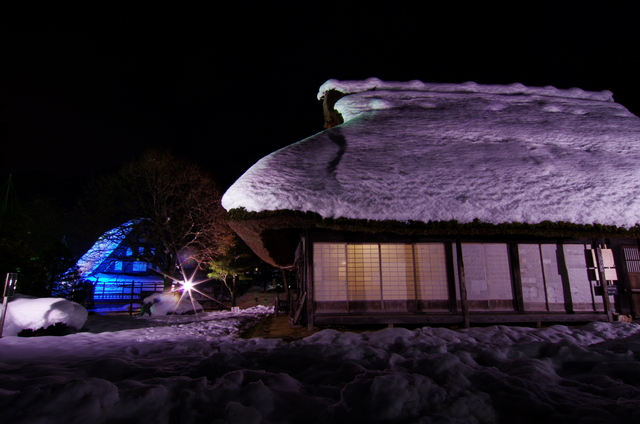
x=9, y=289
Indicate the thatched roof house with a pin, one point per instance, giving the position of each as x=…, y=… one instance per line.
x=439, y=163
x=115, y=267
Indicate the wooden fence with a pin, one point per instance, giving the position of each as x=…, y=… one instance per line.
x=124, y=293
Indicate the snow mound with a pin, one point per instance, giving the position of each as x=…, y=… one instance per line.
x=29, y=313
x=170, y=369
x=172, y=303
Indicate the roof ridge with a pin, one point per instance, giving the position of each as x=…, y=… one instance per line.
x=371, y=84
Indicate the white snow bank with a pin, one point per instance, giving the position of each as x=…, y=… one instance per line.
x=172, y=303
x=198, y=371
x=30, y=313
x=433, y=152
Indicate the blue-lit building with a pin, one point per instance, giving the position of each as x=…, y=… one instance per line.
x=116, y=267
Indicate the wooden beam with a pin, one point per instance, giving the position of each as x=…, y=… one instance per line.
x=463, y=286
x=451, y=277
x=457, y=319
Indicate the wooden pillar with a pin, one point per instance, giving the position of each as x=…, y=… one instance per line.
x=603, y=280
x=564, y=275
x=133, y=289
x=380, y=276
x=451, y=277
x=308, y=286
x=286, y=290
x=463, y=286
x=625, y=295
x=632, y=293
x=544, y=279
x=514, y=262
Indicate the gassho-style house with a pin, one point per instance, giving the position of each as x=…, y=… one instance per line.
x=454, y=204
x=116, y=268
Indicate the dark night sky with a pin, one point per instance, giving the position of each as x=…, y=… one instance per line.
x=85, y=88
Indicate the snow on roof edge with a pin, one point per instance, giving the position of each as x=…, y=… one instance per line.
x=103, y=247
x=357, y=86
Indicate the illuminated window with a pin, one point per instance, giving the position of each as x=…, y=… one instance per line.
x=396, y=267
x=391, y=275
x=330, y=271
x=139, y=266
x=576, y=263
x=374, y=272
x=117, y=266
x=431, y=271
x=488, y=275
x=532, y=277
x=541, y=277
x=545, y=270
x=552, y=276
x=363, y=272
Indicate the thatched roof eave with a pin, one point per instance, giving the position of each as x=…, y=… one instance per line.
x=274, y=235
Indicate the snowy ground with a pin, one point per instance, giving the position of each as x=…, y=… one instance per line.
x=178, y=370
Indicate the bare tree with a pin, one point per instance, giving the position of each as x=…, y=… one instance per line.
x=175, y=207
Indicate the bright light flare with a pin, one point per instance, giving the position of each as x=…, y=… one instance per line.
x=187, y=286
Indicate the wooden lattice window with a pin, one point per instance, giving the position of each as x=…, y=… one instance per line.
x=632, y=256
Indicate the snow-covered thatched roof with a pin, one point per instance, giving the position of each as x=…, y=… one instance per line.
x=437, y=152
x=106, y=244
x=440, y=152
